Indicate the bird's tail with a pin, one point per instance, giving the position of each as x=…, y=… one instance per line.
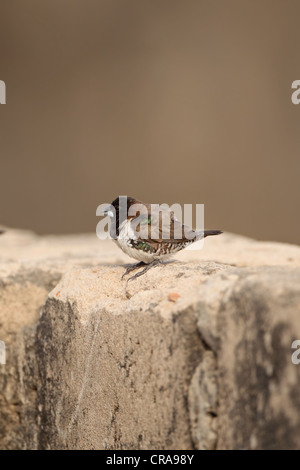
x=207, y=233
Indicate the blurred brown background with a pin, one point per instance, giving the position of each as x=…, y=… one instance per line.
x=165, y=100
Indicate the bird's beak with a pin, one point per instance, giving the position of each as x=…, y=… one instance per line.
x=108, y=211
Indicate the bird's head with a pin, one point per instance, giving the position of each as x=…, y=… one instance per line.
x=120, y=207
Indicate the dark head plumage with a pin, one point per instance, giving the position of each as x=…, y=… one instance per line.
x=118, y=211
x=129, y=201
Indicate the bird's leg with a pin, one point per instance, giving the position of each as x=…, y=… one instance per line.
x=168, y=261
x=131, y=267
x=148, y=266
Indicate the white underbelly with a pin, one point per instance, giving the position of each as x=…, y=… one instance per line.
x=126, y=233
x=139, y=255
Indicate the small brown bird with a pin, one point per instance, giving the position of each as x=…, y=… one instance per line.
x=147, y=234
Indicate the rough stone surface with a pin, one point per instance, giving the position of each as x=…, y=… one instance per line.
x=192, y=355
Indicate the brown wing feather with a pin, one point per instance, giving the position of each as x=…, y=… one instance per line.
x=158, y=226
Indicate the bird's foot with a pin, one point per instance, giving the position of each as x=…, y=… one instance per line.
x=132, y=267
x=146, y=268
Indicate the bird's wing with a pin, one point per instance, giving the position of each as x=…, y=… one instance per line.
x=157, y=226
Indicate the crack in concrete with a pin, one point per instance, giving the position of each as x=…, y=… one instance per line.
x=84, y=381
